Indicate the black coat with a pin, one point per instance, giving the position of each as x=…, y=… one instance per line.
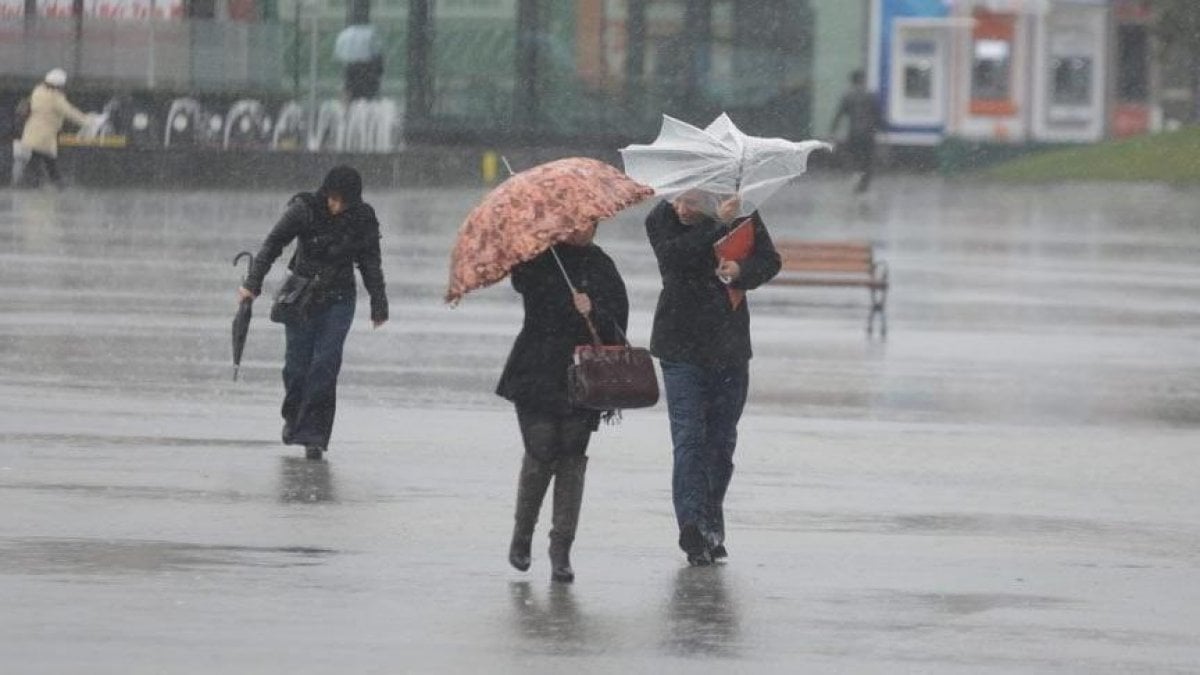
x=331, y=245
x=536, y=373
x=695, y=323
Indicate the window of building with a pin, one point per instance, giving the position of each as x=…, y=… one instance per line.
x=992, y=56
x=918, y=69
x=991, y=70
x=1072, y=83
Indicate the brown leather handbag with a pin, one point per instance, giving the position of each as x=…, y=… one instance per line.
x=609, y=377
x=612, y=377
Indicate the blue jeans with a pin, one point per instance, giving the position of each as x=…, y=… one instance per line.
x=704, y=406
x=310, y=373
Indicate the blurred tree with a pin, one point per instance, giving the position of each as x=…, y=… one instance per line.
x=1177, y=25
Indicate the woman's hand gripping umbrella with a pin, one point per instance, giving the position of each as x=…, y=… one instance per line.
x=241, y=320
x=531, y=212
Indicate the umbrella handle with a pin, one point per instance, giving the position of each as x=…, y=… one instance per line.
x=244, y=254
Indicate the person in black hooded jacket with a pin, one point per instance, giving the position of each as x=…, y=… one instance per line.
x=555, y=434
x=335, y=231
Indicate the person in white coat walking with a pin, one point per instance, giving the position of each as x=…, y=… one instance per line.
x=49, y=109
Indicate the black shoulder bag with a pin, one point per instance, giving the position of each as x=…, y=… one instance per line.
x=294, y=298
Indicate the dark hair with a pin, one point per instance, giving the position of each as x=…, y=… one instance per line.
x=857, y=77
x=342, y=181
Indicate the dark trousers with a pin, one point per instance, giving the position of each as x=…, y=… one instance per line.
x=555, y=448
x=363, y=79
x=310, y=373
x=862, y=159
x=38, y=162
x=549, y=435
x=704, y=406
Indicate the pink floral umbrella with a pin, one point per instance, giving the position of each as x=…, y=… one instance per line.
x=532, y=211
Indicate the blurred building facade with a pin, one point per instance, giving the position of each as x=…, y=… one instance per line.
x=555, y=71
x=1015, y=71
x=467, y=69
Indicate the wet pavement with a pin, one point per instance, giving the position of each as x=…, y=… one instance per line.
x=1006, y=485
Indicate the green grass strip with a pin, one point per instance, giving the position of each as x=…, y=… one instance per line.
x=1170, y=157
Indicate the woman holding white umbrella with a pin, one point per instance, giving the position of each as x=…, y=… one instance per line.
x=708, y=260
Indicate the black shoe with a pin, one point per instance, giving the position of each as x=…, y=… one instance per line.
x=719, y=552
x=286, y=434
x=313, y=452
x=691, y=540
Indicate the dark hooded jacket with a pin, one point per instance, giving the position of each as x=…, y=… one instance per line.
x=536, y=373
x=328, y=248
x=695, y=322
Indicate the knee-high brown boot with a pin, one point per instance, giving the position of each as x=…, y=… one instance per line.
x=531, y=490
x=568, y=498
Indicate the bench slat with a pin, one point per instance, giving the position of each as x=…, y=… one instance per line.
x=824, y=244
x=823, y=249
x=828, y=281
x=805, y=260
x=830, y=265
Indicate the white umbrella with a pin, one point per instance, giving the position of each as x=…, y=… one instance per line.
x=719, y=159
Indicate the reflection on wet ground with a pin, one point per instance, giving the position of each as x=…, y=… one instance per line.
x=550, y=622
x=301, y=480
x=702, y=616
x=1007, y=484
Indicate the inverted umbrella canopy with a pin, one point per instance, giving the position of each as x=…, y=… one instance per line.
x=532, y=211
x=241, y=320
x=719, y=159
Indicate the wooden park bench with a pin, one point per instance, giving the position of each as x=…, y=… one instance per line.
x=837, y=263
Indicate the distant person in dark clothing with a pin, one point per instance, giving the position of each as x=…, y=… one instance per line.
x=363, y=79
x=360, y=48
x=555, y=433
x=861, y=109
x=335, y=231
x=702, y=340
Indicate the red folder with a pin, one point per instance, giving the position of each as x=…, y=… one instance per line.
x=736, y=246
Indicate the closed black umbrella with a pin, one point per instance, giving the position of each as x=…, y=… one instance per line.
x=241, y=320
